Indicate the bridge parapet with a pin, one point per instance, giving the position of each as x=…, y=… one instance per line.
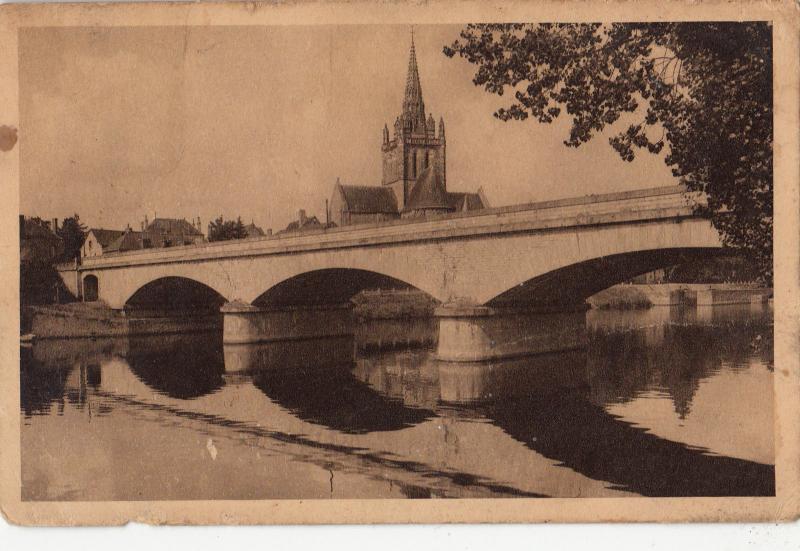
x=627, y=207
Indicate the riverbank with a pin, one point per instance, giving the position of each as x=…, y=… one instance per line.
x=95, y=319
x=393, y=304
x=636, y=296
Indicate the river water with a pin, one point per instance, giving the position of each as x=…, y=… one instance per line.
x=661, y=402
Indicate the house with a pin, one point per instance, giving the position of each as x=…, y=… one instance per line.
x=254, y=231
x=161, y=232
x=130, y=240
x=171, y=232
x=414, y=182
x=39, y=244
x=98, y=240
x=304, y=223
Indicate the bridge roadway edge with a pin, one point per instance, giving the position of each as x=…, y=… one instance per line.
x=127, y=260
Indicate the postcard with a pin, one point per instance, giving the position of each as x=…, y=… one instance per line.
x=362, y=262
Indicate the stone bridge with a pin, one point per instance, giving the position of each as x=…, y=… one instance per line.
x=546, y=256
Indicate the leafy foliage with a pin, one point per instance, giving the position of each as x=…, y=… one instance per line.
x=703, y=92
x=73, y=233
x=721, y=269
x=223, y=230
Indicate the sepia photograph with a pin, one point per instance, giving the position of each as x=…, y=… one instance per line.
x=382, y=261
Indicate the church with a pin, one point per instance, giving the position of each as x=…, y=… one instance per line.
x=414, y=183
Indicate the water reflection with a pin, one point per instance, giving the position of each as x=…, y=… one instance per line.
x=41, y=386
x=179, y=366
x=322, y=388
x=565, y=427
x=500, y=380
x=47, y=366
x=379, y=412
x=623, y=364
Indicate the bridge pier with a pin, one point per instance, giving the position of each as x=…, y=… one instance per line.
x=245, y=323
x=482, y=333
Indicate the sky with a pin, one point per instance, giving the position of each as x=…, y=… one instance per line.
x=121, y=122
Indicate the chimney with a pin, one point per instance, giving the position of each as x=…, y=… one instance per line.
x=301, y=216
x=21, y=226
x=142, y=224
x=268, y=232
x=55, y=225
x=146, y=222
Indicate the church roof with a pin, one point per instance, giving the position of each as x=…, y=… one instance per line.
x=369, y=199
x=428, y=192
x=105, y=237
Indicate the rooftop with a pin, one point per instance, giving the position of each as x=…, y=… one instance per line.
x=370, y=199
x=105, y=237
x=173, y=226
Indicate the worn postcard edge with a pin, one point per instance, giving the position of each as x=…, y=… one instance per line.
x=784, y=506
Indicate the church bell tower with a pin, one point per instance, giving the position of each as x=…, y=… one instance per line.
x=414, y=145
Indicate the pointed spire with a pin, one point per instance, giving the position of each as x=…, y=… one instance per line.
x=441, y=128
x=413, y=105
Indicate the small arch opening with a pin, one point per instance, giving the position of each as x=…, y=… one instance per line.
x=91, y=288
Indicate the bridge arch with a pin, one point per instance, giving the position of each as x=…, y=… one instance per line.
x=326, y=286
x=175, y=293
x=574, y=283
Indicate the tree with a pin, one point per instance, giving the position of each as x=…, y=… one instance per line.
x=223, y=230
x=701, y=92
x=73, y=233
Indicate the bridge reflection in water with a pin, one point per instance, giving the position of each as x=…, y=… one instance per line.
x=381, y=415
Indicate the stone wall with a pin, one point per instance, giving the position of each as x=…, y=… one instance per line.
x=60, y=323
